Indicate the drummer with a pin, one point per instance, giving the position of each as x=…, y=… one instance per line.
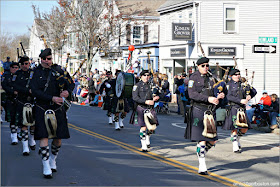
x=144, y=99
x=119, y=106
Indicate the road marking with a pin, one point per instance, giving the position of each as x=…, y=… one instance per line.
x=169, y=161
x=223, y=135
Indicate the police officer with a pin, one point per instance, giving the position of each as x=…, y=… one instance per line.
x=50, y=88
x=238, y=96
x=200, y=89
x=24, y=95
x=107, y=90
x=142, y=95
x=10, y=103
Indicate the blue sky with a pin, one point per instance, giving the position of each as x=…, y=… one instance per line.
x=17, y=16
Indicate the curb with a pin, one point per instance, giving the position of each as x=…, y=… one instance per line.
x=265, y=129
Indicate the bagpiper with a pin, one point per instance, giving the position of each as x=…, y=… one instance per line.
x=200, y=122
x=51, y=87
x=237, y=120
x=144, y=114
x=24, y=108
x=10, y=101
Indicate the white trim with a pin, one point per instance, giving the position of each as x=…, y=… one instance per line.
x=236, y=19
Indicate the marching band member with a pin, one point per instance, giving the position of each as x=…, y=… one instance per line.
x=25, y=98
x=237, y=120
x=200, y=122
x=50, y=87
x=107, y=93
x=8, y=86
x=145, y=115
x=119, y=106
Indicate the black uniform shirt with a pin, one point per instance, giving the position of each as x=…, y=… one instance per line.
x=142, y=92
x=39, y=83
x=236, y=92
x=111, y=90
x=20, y=83
x=7, y=84
x=200, y=87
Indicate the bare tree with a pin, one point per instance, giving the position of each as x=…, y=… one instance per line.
x=9, y=44
x=52, y=26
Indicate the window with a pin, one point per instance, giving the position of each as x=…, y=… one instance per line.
x=190, y=17
x=230, y=18
x=136, y=32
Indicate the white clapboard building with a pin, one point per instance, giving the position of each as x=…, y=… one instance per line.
x=248, y=30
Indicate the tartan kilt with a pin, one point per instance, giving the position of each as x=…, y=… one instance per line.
x=62, y=131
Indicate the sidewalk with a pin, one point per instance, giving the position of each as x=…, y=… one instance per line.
x=173, y=107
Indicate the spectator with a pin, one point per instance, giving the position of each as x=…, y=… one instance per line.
x=178, y=81
x=91, y=89
x=265, y=100
x=95, y=101
x=6, y=65
x=83, y=96
x=76, y=82
x=84, y=82
x=274, y=111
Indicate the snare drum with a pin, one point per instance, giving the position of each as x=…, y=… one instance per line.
x=124, y=85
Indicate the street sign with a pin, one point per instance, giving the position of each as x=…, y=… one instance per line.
x=264, y=48
x=268, y=40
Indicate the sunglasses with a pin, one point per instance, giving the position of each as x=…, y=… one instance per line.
x=203, y=65
x=15, y=67
x=236, y=74
x=146, y=75
x=25, y=63
x=48, y=58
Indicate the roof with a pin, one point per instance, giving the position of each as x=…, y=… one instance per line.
x=139, y=8
x=172, y=4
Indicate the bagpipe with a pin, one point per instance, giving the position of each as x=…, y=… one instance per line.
x=63, y=79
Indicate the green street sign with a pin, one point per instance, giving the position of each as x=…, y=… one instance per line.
x=268, y=39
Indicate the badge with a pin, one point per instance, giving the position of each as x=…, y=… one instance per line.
x=134, y=88
x=14, y=77
x=191, y=83
x=220, y=88
x=195, y=121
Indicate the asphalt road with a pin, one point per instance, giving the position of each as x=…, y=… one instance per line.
x=97, y=155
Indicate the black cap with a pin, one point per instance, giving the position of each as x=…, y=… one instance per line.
x=14, y=64
x=145, y=71
x=109, y=72
x=8, y=57
x=45, y=53
x=23, y=59
x=232, y=72
x=202, y=60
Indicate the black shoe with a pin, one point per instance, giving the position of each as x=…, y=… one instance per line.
x=122, y=127
x=239, y=151
x=118, y=129
x=110, y=123
x=14, y=143
x=203, y=173
x=32, y=147
x=149, y=146
x=145, y=150
x=25, y=154
x=48, y=176
x=54, y=170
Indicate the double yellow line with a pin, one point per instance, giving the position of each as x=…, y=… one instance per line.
x=169, y=161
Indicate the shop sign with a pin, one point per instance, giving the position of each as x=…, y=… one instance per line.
x=178, y=52
x=181, y=31
x=221, y=51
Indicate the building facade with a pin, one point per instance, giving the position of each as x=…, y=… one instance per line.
x=225, y=29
